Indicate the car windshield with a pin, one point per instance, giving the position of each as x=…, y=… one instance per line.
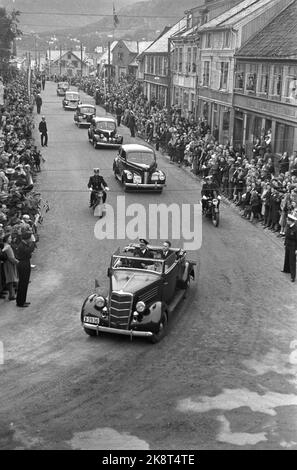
x=72, y=96
x=105, y=125
x=131, y=280
x=86, y=110
x=142, y=158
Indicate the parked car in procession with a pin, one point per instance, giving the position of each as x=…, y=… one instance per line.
x=84, y=115
x=62, y=87
x=103, y=132
x=143, y=294
x=135, y=167
x=71, y=100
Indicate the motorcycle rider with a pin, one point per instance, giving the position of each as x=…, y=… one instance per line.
x=209, y=190
x=97, y=183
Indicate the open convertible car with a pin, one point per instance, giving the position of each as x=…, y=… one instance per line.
x=103, y=132
x=143, y=294
x=84, y=114
x=135, y=167
x=62, y=87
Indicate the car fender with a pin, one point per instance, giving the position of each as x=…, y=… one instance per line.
x=189, y=271
x=153, y=316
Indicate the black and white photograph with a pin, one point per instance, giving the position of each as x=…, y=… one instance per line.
x=148, y=227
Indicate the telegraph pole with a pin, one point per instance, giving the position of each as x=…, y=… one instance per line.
x=60, y=60
x=108, y=70
x=81, y=59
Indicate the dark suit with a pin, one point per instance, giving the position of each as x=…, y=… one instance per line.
x=291, y=247
x=97, y=183
x=43, y=131
x=165, y=255
x=146, y=253
x=23, y=254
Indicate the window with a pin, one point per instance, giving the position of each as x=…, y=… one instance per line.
x=69, y=56
x=175, y=59
x=290, y=85
x=75, y=63
x=165, y=66
x=251, y=78
x=284, y=138
x=180, y=59
x=264, y=79
x=224, y=75
x=189, y=58
x=239, y=76
x=277, y=81
x=205, y=80
x=208, y=41
x=194, y=66
x=227, y=39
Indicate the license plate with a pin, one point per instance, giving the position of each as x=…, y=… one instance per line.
x=93, y=320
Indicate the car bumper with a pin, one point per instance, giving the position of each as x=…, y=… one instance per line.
x=151, y=186
x=70, y=106
x=99, y=143
x=83, y=123
x=117, y=331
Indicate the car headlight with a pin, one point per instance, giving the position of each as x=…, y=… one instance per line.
x=66, y=102
x=101, y=135
x=129, y=175
x=140, y=306
x=100, y=301
x=162, y=177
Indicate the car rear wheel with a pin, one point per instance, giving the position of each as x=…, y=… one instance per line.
x=163, y=324
x=215, y=219
x=94, y=144
x=90, y=332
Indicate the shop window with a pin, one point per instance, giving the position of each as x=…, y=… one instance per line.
x=284, y=137
x=224, y=75
x=206, y=67
x=226, y=120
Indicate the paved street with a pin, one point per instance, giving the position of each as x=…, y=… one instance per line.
x=224, y=377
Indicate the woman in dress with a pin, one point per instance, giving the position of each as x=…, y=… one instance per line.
x=10, y=267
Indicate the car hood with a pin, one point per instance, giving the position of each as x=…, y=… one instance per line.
x=131, y=281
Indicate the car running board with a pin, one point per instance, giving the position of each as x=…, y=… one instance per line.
x=176, y=300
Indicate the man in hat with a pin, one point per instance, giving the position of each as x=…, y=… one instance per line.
x=97, y=183
x=43, y=132
x=23, y=254
x=38, y=101
x=291, y=246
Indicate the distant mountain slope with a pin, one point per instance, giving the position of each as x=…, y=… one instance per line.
x=43, y=22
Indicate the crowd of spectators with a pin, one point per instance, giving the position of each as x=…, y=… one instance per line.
x=264, y=189
x=20, y=207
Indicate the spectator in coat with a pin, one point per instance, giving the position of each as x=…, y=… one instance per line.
x=10, y=267
x=43, y=132
x=291, y=246
x=38, y=101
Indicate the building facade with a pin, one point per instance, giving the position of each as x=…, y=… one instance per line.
x=66, y=63
x=265, y=86
x=220, y=38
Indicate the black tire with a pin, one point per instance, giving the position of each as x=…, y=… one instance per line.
x=95, y=144
x=162, y=329
x=216, y=219
x=90, y=332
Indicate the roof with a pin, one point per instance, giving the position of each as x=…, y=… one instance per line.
x=104, y=57
x=277, y=39
x=136, y=148
x=237, y=14
x=54, y=55
x=161, y=43
x=137, y=46
x=103, y=118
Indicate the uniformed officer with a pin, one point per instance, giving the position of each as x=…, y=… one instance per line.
x=291, y=246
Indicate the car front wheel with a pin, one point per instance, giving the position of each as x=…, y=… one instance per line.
x=163, y=324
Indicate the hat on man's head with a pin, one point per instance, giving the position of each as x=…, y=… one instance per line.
x=143, y=240
x=26, y=217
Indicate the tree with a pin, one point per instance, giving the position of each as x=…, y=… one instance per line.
x=8, y=32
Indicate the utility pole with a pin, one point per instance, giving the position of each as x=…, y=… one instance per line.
x=60, y=62
x=81, y=59
x=108, y=70
x=49, y=61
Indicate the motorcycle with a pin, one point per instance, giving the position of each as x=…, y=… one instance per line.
x=212, y=209
x=98, y=205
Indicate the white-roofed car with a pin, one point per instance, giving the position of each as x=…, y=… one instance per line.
x=103, y=132
x=135, y=167
x=71, y=100
x=84, y=115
